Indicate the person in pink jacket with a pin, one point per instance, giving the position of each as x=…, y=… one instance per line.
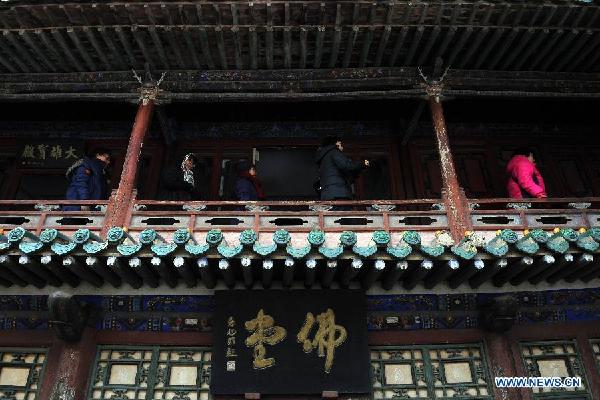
x=524, y=179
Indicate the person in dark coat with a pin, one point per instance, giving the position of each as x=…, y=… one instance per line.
x=179, y=181
x=336, y=170
x=87, y=179
x=247, y=186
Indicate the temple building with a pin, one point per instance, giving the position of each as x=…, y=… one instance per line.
x=431, y=283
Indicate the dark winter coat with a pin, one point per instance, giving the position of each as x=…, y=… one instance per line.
x=87, y=182
x=175, y=188
x=244, y=190
x=336, y=173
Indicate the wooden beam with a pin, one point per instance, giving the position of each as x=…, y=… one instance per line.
x=385, y=37
x=40, y=270
x=565, y=42
x=576, y=49
x=253, y=38
x=335, y=48
x=83, y=272
x=303, y=48
x=165, y=271
x=106, y=37
x=337, y=36
x=350, y=46
x=429, y=45
x=139, y=38
x=394, y=274
x=22, y=51
x=550, y=44
x=368, y=39
x=591, y=48
x=89, y=62
x=541, y=36
x=319, y=46
x=124, y=271
x=174, y=43
x=56, y=267
x=99, y=51
x=187, y=35
x=139, y=267
x=13, y=58
x=127, y=46
x=221, y=47
x=269, y=47
x=237, y=46
x=159, y=47
x=505, y=46
x=416, y=40
x=100, y=268
x=515, y=51
x=57, y=35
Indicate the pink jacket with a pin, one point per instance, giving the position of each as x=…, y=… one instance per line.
x=524, y=177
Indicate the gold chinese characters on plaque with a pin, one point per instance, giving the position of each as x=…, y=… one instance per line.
x=263, y=331
x=327, y=337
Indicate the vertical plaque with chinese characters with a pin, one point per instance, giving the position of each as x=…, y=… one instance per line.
x=290, y=342
x=48, y=153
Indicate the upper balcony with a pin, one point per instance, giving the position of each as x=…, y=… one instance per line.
x=407, y=242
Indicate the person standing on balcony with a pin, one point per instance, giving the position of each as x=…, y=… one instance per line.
x=524, y=179
x=87, y=179
x=337, y=171
x=178, y=180
x=247, y=186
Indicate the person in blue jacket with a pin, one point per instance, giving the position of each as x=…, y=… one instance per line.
x=247, y=186
x=87, y=179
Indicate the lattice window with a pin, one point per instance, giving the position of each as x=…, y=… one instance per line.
x=430, y=372
x=21, y=373
x=555, y=359
x=151, y=373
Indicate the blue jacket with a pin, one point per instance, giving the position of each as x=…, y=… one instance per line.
x=244, y=190
x=87, y=182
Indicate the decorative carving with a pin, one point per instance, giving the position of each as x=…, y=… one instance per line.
x=316, y=237
x=214, y=237
x=46, y=207
x=384, y=207
x=519, y=206
x=580, y=206
x=438, y=207
x=248, y=237
x=381, y=238
x=320, y=207
x=194, y=207
x=281, y=237
x=348, y=238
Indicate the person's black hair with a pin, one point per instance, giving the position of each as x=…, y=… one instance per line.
x=101, y=150
x=523, y=151
x=330, y=140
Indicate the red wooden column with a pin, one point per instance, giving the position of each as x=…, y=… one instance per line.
x=121, y=201
x=502, y=363
x=457, y=208
x=68, y=367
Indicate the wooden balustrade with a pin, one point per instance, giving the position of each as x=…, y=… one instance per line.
x=303, y=216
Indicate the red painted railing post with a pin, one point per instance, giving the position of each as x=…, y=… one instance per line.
x=121, y=200
x=457, y=207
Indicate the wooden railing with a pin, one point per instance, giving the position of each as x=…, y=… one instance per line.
x=303, y=216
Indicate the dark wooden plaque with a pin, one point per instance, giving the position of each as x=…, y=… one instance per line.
x=290, y=342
